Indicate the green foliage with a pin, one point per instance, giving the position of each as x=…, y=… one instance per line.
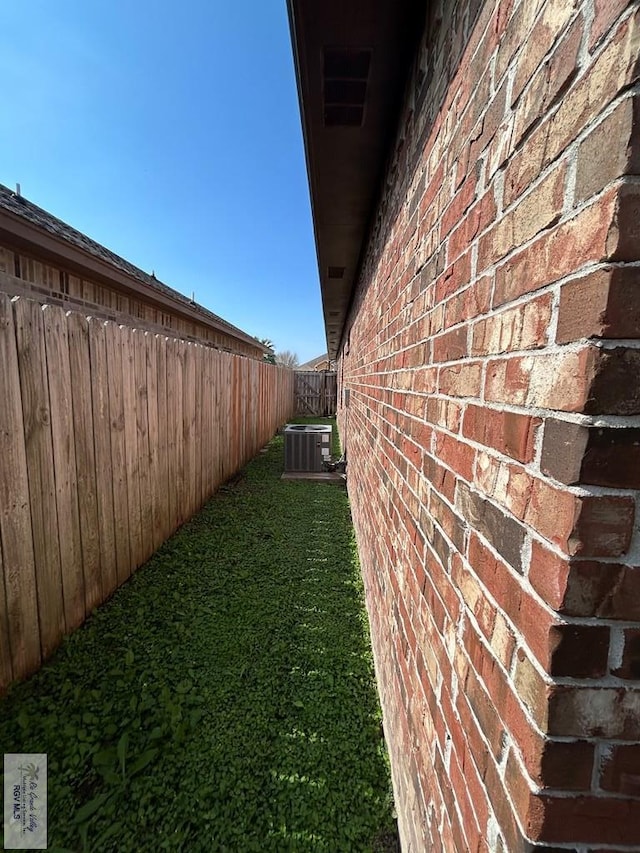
x=267, y=342
x=224, y=698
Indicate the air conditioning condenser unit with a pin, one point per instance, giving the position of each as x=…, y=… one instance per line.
x=306, y=447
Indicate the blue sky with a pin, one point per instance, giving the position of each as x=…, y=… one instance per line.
x=170, y=133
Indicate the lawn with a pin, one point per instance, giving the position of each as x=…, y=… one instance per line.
x=224, y=698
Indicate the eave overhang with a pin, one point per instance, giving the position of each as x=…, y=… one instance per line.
x=346, y=145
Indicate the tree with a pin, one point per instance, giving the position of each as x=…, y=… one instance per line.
x=268, y=356
x=286, y=358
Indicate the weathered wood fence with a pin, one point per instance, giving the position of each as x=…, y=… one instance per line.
x=316, y=392
x=110, y=438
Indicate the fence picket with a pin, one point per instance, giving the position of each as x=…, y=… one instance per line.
x=142, y=420
x=56, y=338
x=113, y=340
x=80, y=366
x=42, y=488
x=102, y=442
x=20, y=609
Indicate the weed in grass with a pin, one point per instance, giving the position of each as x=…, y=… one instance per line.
x=224, y=698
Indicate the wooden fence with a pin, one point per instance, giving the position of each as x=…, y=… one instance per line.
x=316, y=392
x=110, y=438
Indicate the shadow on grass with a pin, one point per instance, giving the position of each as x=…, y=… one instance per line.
x=224, y=699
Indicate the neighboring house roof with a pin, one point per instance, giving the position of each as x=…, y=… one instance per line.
x=351, y=65
x=314, y=363
x=25, y=224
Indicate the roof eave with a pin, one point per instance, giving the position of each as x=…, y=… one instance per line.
x=345, y=164
x=25, y=235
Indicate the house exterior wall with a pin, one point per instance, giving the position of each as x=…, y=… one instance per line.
x=490, y=402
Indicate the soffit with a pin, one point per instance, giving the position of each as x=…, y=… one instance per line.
x=349, y=107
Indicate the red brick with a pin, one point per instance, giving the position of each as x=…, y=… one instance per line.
x=614, y=69
x=602, y=712
x=629, y=666
x=536, y=212
x=546, y=30
x=480, y=216
x=461, y=380
x=607, y=13
x=507, y=432
x=515, y=34
x=520, y=328
x=599, y=162
x=620, y=770
x=602, y=304
x=597, y=456
x=564, y=250
x=588, y=819
x=548, y=574
x=509, y=485
x=454, y=277
x=604, y=527
x=624, y=233
x=470, y=303
x=551, y=78
x=461, y=201
x=579, y=651
x=568, y=764
x=458, y=455
x=450, y=346
x=589, y=380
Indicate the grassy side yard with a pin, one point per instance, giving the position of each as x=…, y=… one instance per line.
x=224, y=698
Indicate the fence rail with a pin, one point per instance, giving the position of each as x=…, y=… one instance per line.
x=110, y=438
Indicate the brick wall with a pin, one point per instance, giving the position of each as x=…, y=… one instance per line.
x=493, y=434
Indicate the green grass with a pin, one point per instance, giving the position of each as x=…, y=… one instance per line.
x=224, y=698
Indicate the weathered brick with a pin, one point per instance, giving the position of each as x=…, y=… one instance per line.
x=629, y=666
x=624, y=233
x=606, y=13
x=472, y=302
x=602, y=304
x=551, y=78
x=607, y=712
x=559, y=381
x=555, y=16
x=458, y=455
x=451, y=346
x=507, y=432
x=531, y=688
x=613, y=69
x=504, y=533
x=565, y=249
x=536, y=212
x=603, y=527
x=520, y=328
x=596, y=456
x=614, y=389
x=461, y=380
x=620, y=770
x=579, y=651
x=600, y=163
x=494, y=579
